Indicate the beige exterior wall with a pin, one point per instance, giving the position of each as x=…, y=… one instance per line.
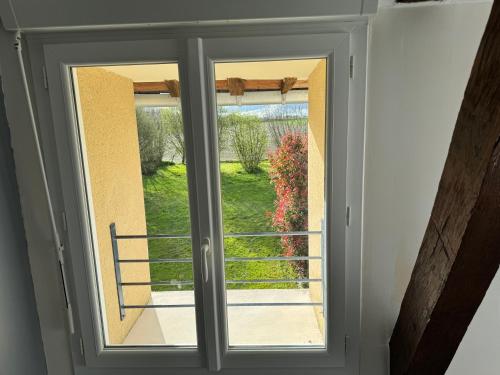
x=316, y=176
x=107, y=115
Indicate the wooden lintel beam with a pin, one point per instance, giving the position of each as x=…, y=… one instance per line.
x=236, y=86
x=150, y=87
x=221, y=86
x=460, y=252
x=262, y=85
x=287, y=84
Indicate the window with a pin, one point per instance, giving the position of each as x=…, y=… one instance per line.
x=206, y=195
x=139, y=204
x=271, y=165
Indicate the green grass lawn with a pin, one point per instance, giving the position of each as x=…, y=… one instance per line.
x=246, y=199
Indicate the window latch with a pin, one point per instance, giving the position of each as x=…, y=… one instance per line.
x=205, y=250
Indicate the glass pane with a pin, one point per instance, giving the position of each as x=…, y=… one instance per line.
x=271, y=124
x=131, y=132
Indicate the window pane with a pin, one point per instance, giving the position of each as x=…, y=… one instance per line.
x=132, y=141
x=271, y=124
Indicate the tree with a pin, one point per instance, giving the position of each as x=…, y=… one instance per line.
x=283, y=119
x=172, y=118
x=249, y=140
x=152, y=134
x=223, y=128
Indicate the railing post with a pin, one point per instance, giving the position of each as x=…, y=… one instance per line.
x=118, y=275
x=323, y=265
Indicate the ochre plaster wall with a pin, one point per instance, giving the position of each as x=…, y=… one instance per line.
x=316, y=176
x=107, y=113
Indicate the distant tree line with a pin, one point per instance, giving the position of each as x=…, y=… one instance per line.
x=161, y=132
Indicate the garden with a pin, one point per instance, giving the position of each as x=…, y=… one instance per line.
x=263, y=186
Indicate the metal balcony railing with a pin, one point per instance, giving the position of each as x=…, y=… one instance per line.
x=120, y=284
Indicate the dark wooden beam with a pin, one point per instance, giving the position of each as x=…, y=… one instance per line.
x=222, y=86
x=460, y=252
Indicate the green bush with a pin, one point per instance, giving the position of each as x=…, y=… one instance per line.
x=249, y=140
x=288, y=173
x=152, y=132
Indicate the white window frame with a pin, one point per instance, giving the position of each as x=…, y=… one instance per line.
x=195, y=52
x=59, y=60
x=335, y=48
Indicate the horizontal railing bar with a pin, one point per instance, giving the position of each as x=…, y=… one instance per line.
x=242, y=304
x=157, y=260
x=272, y=281
x=155, y=283
x=228, y=235
x=255, y=281
x=276, y=347
x=290, y=258
x=155, y=306
x=232, y=259
x=150, y=236
x=271, y=234
x=251, y=304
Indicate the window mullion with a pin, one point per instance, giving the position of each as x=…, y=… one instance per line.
x=206, y=244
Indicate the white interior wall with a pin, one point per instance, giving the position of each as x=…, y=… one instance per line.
x=21, y=350
x=479, y=350
x=46, y=275
x=419, y=64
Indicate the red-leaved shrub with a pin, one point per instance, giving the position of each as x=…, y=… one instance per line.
x=288, y=173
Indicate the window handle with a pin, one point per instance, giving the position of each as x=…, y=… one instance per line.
x=205, y=250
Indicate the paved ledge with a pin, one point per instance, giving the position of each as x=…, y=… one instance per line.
x=255, y=325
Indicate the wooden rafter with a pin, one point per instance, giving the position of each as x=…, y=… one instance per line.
x=173, y=88
x=460, y=252
x=236, y=86
x=287, y=84
x=222, y=86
